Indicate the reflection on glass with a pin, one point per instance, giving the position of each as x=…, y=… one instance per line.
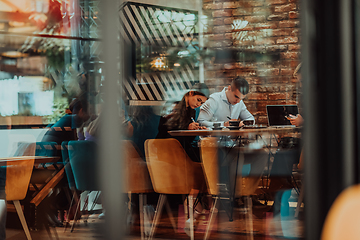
x=51, y=93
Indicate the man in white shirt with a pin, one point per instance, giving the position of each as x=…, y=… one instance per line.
x=228, y=103
x=219, y=108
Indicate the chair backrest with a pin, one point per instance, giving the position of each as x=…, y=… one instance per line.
x=171, y=170
x=137, y=178
x=84, y=164
x=68, y=170
x=342, y=221
x=18, y=173
x=209, y=157
x=47, y=149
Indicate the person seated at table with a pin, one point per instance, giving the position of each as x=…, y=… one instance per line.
x=282, y=168
x=92, y=131
x=64, y=129
x=229, y=104
x=284, y=160
x=145, y=123
x=226, y=104
x=182, y=118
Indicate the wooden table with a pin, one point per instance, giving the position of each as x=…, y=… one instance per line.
x=242, y=132
x=234, y=133
x=38, y=159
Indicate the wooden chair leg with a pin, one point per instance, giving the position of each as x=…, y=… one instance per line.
x=47, y=228
x=22, y=219
x=213, y=213
x=68, y=212
x=86, y=206
x=55, y=233
x=191, y=213
x=159, y=207
x=186, y=213
x=141, y=212
x=75, y=216
x=168, y=209
x=300, y=200
x=249, y=219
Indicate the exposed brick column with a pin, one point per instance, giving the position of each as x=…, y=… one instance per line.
x=265, y=35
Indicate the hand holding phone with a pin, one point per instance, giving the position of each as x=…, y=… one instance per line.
x=290, y=116
x=295, y=120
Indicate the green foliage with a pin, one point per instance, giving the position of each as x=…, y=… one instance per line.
x=55, y=57
x=60, y=106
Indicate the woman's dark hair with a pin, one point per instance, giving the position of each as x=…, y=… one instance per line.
x=241, y=84
x=179, y=118
x=77, y=104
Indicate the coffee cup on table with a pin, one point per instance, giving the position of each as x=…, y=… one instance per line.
x=233, y=123
x=248, y=122
x=216, y=125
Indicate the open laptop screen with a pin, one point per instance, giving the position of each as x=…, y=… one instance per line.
x=277, y=114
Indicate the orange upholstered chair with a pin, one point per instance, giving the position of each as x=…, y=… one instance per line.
x=342, y=221
x=245, y=186
x=18, y=174
x=172, y=172
x=137, y=178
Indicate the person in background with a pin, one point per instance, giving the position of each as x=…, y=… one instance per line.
x=297, y=120
x=92, y=131
x=65, y=128
x=183, y=118
x=283, y=163
x=226, y=104
x=144, y=123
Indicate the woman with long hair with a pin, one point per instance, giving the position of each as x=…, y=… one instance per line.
x=183, y=118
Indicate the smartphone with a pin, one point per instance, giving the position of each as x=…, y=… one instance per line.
x=290, y=116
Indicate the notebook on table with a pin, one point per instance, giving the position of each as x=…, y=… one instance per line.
x=277, y=114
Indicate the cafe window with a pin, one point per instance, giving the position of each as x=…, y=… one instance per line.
x=55, y=52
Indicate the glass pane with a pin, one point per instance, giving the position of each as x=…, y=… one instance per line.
x=50, y=79
x=253, y=40
x=222, y=77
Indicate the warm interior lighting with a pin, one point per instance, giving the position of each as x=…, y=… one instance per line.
x=158, y=63
x=14, y=54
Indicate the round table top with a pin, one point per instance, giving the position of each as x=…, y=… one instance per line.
x=38, y=159
x=239, y=132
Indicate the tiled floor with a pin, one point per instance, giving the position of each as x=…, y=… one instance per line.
x=265, y=227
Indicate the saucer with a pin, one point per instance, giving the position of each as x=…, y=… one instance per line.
x=233, y=127
x=254, y=126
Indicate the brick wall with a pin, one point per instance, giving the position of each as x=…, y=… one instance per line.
x=260, y=40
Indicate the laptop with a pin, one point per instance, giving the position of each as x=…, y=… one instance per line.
x=276, y=114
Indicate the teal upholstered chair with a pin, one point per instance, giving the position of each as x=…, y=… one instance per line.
x=70, y=178
x=83, y=161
